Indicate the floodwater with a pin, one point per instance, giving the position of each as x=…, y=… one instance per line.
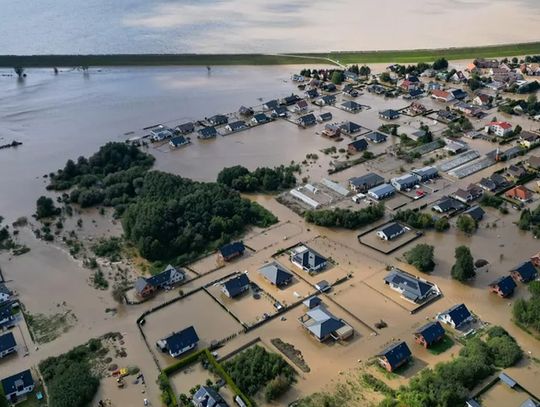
x=217, y=26
x=72, y=114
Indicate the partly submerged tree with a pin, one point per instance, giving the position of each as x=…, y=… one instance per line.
x=19, y=70
x=463, y=269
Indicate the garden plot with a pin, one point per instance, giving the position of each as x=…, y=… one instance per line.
x=273, y=235
x=211, y=322
x=249, y=307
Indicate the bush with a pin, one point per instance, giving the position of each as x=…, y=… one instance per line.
x=255, y=367
x=345, y=218
x=276, y=387
x=110, y=248
x=45, y=208
x=416, y=219
x=421, y=257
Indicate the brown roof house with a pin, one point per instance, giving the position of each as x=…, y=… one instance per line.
x=519, y=193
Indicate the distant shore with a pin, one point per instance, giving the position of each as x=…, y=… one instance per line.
x=337, y=58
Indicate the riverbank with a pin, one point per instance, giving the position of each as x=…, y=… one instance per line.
x=400, y=56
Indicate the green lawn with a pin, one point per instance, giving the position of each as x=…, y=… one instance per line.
x=442, y=346
x=32, y=401
x=403, y=56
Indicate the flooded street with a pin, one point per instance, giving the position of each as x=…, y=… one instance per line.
x=241, y=26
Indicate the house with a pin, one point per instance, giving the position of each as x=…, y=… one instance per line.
x=376, y=137
x=350, y=127
x=447, y=116
x=185, y=128
x=178, y=141
x=447, y=204
x=482, y=100
x=325, y=100
x=390, y=232
x=525, y=272
x=365, y=182
x=322, y=286
x=245, y=111
x=426, y=173
x=456, y=316
x=235, y=286
x=307, y=120
x=381, y=191
x=271, y=104
x=323, y=325
x=8, y=344
x=325, y=117
x=516, y=171
x=218, y=120
x=312, y=302
x=260, y=118
x=512, y=152
x=442, y=95
x=429, y=334
x=231, y=250
x=499, y=180
x=458, y=77
x=6, y=314
x=389, y=114
x=407, y=85
x=298, y=78
x=528, y=139
x=417, y=135
x=432, y=85
x=351, y=106
x=476, y=213
x=413, y=94
x=160, y=133
x=329, y=87
x=350, y=76
x=501, y=129
x=206, y=396
x=290, y=100
x=349, y=90
x=17, y=386
x=394, y=356
x=404, y=182
x=276, y=274
x=468, y=109
x=410, y=287
x=145, y=287
x=236, y=126
x=487, y=184
x=534, y=162
x=301, y=106
x=529, y=403
x=472, y=403
x=280, y=111
x=467, y=195
x=495, y=85
x=357, y=145
x=458, y=94
x=307, y=259
x=5, y=293
x=331, y=130
x=503, y=286
x=179, y=342
x=417, y=108
x=520, y=193
x=207, y=133
x=167, y=278
x=311, y=93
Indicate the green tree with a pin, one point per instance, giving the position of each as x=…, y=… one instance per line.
x=45, y=208
x=385, y=77
x=442, y=224
x=421, y=257
x=440, y=64
x=466, y=224
x=463, y=269
x=337, y=77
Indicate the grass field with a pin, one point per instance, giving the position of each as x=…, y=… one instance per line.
x=399, y=56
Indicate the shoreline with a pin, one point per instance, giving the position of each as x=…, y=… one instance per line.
x=333, y=57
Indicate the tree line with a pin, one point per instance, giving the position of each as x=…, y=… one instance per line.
x=263, y=179
x=345, y=218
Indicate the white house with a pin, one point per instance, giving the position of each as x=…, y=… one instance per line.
x=180, y=342
x=5, y=293
x=500, y=129
x=391, y=231
x=160, y=133
x=456, y=316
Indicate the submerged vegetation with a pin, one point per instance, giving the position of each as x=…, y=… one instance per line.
x=165, y=216
x=261, y=180
x=527, y=312
x=345, y=218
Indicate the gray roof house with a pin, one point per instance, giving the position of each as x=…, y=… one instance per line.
x=276, y=274
x=323, y=325
x=426, y=173
x=404, y=182
x=365, y=182
x=307, y=259
x=411, y=287
x=392, y=231
x=381, y=191
x=206, y=396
